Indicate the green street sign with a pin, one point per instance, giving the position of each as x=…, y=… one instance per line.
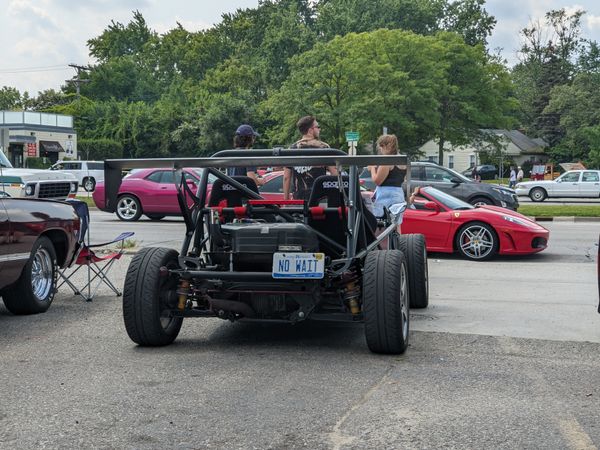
x=352, y=136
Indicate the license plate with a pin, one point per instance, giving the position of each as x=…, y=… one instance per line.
x=298, y=265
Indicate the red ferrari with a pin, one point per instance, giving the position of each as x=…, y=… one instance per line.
x=477, y=233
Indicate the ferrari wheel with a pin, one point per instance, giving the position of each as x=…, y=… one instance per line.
x=477, y=241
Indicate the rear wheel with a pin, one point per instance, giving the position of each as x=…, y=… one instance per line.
x=89, y=184
x=386, y=301
x=128, y=208
x=413, y=247
x=146, y=308
x=34, y=290
x=537, y=195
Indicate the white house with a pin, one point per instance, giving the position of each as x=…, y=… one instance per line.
x=516, y=147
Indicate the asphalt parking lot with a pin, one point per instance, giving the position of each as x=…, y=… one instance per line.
x=507, y=356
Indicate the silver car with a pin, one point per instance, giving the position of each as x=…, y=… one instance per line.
x=574, y=183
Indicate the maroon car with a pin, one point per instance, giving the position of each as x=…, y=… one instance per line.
x=36, y=237
x=148, y=191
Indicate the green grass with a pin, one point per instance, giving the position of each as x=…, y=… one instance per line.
x=89, y=200
x=560, y=210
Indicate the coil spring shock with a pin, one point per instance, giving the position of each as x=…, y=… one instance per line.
x=351, y=291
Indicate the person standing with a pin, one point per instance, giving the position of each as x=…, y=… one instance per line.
x=475, y=174
x=244, y=138
x=512, y=180
x=389, y=193
x=298, y=181
x=520, y=174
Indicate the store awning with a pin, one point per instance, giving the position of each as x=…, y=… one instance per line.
x=51, y=147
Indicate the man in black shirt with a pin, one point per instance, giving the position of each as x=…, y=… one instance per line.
x=301, y=178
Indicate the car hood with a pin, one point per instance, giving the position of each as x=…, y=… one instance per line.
x=501, y=212
x=38, y=174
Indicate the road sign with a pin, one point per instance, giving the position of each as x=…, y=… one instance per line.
x=352, y=136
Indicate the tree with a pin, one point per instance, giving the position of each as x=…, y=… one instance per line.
x=10, y=98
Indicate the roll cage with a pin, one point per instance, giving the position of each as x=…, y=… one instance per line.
x=197, y=215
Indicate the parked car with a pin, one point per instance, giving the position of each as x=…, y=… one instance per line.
x=478, y=233
x=148, y=191
x=455, y=184
x=36, y=237
x=486, y=172
x=574, y=183
x=88, y=173
x=35, y=183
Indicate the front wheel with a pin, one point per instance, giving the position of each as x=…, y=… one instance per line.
x=89, y=184
x=386, y=301
x=129, y=208
x=477, y=241
x=147, y=298
x=481, y=201
x=537, y=195
x=34, y=290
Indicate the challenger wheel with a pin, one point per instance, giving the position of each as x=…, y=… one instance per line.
x=146, y=308
x=386, y=301
x=89, y=184
x=34, y=290
x=413, y=247
x=128, y=208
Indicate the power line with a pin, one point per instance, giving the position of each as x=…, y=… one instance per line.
x=35, y=69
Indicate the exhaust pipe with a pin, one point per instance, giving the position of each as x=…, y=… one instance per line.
x=218, y=305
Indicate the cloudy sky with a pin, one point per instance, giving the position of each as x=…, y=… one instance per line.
x=40, y=37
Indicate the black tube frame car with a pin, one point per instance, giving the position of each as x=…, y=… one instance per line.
x=226, y=266
x=36, y=238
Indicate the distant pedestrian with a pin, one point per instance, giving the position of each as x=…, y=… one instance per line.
x=298, y=181
x=512, y=180
x=475, y=174
x=520, y=174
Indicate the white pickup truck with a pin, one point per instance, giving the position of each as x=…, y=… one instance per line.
x=35, y=183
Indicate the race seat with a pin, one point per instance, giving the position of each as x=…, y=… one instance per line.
x=328, y=215
x=225, y=195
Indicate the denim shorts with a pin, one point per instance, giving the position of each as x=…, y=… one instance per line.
x=392, y=198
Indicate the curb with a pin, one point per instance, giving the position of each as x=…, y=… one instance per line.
x=566, y=219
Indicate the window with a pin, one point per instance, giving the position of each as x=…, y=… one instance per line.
x=437, y=174
x=591, y=177
x=167, y=177
x=471, y=160
x=95, y=166
x=273, y=185
x=71, y=166
x=155, y=176
x=451, y=161
x=433, y=159
x=570, y=177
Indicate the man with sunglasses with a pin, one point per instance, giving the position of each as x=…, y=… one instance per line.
x=301, y=178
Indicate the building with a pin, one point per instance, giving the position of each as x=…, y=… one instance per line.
x=517, y=147
x=35, y=134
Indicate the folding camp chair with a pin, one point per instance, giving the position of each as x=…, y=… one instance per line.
x=98, y=265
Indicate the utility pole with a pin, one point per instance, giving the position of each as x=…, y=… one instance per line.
x=77, y=81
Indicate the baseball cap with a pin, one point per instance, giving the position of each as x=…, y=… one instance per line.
x=246, y=130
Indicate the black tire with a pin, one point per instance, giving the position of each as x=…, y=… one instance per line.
x=413, y=247
x=155, y=216
x=538, y=194
x=386, y=301
x=144, y=298
x=475, y=201
x=89, y=184
x=34, y=290
x=129, y=208
x=477, y=241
